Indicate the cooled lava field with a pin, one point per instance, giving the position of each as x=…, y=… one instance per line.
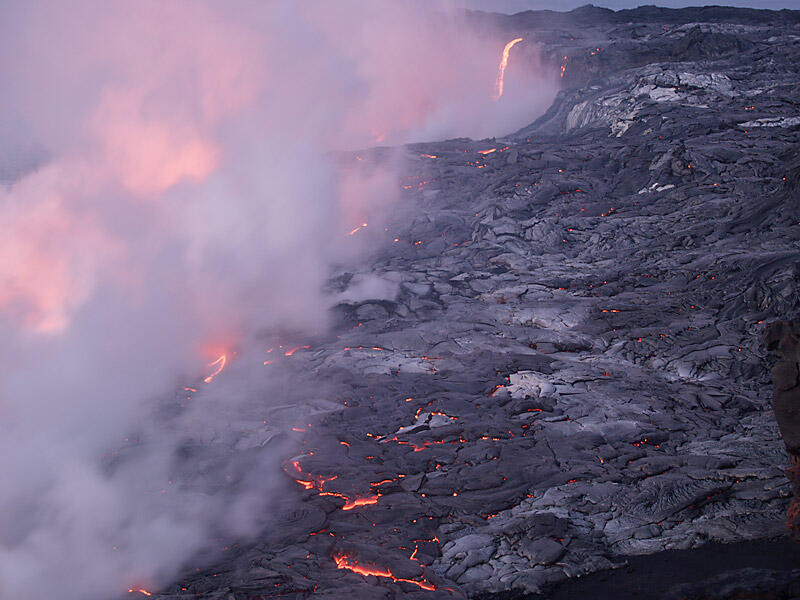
x=558, y=366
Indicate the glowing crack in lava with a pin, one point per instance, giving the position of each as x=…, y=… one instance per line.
x=343, y=561
x=312, y=482
x=501, y=72
x=352, y=503
x=142, y=591
x=317, y=482
x=349, y=503
x=357, y=229
x=219, y=364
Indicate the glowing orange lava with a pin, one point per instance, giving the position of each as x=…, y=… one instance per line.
x=295, y=349
x=357, y=229
x=317, y=482
x=311, y=482
x=140, y=591
x=351, y=564
x=343, y=561
x=501, y=73
x=356, y=502
x=219, y=364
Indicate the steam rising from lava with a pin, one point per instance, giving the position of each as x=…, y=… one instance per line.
x=185, y=199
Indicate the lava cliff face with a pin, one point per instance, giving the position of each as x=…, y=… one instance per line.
x=566, y=365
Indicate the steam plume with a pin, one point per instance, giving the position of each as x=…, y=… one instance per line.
x=184, y=200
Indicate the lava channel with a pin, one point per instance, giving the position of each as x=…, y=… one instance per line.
x=345, y=561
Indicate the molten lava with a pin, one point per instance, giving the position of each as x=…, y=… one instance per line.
x=351, y=564
x=295, y=349
x=311, y=482
x=357, y=229
x=356, y=502
x=317, y=482
x=219, y=364
x=140, y=591
x=501, y=72
x=343, y=561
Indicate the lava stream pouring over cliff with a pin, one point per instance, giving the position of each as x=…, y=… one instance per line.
x=501, y=70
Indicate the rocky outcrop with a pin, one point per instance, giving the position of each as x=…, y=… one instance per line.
x=784, y=338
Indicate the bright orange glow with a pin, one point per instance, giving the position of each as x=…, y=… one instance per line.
x=314, y=482
x=357, y=229
x=356, y=502
x=378, y=483
x=425, y=585
x=219, y=364
x=351, y=564
x=349, y=504
x=343, y=561
x=140, y=591
x=487, y=151
x=501, y=72
x=293, y=350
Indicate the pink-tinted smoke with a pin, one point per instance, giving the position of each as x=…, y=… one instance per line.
x=185, y=200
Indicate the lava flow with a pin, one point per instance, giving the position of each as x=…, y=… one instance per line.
x=312, y=482
x=219, y=364
x=343, y=561
x=350, y=504
x=357, y=229
x=501, y=73
x=317, y=482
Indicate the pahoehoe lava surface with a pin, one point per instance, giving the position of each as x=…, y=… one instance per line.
x=568, y=369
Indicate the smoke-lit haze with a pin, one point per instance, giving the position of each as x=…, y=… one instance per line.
x=184, y=203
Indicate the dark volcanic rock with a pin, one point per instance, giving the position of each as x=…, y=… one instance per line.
x=764, y=584
x=569, y=370
x=784, y=338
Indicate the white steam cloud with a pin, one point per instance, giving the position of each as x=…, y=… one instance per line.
x=184, y=202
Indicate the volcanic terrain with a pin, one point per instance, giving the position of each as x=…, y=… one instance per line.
x=563, y=365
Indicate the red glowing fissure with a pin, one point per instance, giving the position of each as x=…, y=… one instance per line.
x=219, y=364
x=317, y=482
x=345, y=561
